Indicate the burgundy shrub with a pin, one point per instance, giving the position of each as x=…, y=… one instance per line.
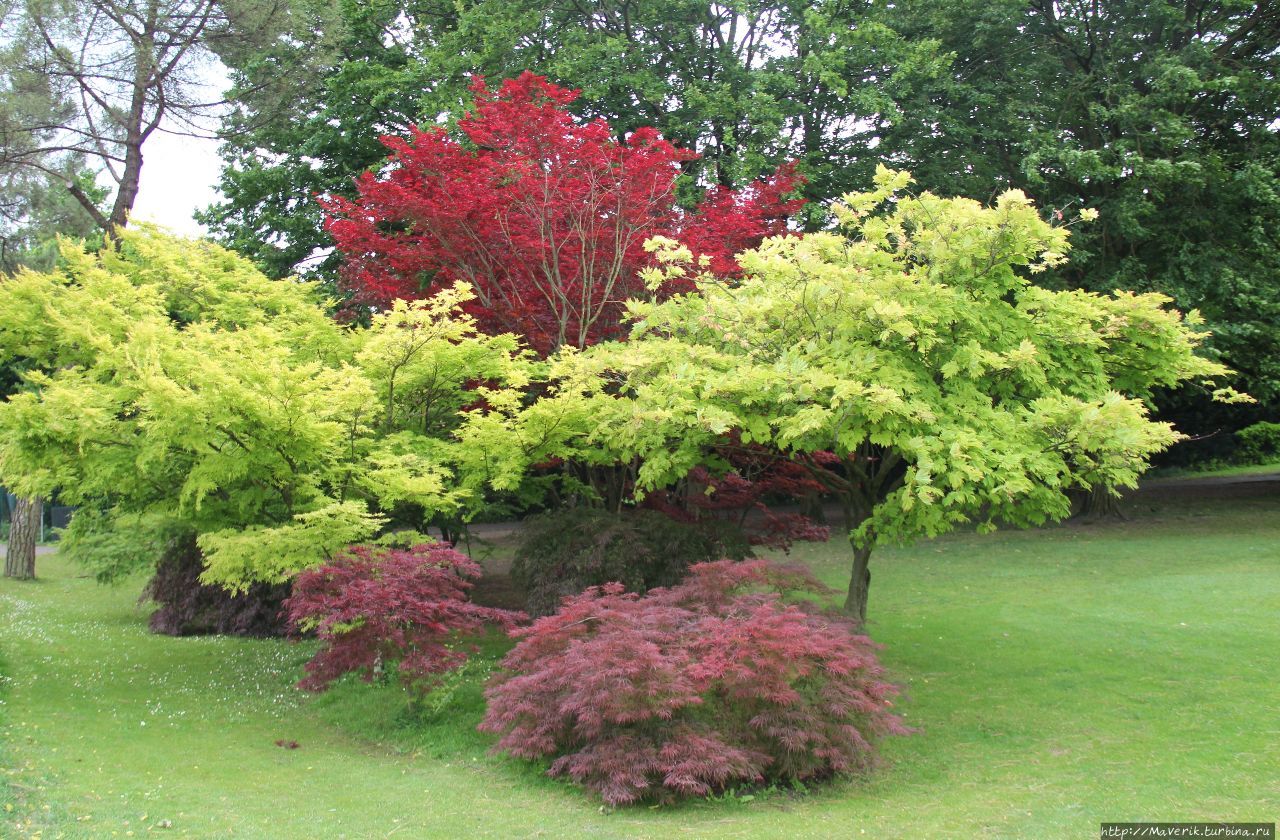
x=757, y=477
x=188, y=607
x=686, y=691
x=740, y=498
x=380, y=608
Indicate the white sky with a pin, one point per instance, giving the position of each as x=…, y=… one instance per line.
x=179, y=176
x=180, y=173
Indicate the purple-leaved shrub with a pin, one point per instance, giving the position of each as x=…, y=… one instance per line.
x=691, y=689
x=378, y=608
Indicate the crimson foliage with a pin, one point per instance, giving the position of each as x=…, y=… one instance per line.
x=545, y=215
x=741, y=495
x=377, y=609
x=688, y=690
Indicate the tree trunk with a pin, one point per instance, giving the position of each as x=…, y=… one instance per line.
x=813, y=508
x=855, y=603
x=137, y=127
x=1099, y=503
x=24, y=530
x=127, y=192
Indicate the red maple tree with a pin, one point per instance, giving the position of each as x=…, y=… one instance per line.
x=544, y=214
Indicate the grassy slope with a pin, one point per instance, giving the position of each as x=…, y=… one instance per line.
x=1062, y=677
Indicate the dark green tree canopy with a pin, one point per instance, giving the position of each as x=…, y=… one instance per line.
x=1165, y=117
x=307, y=113
x=746, y=85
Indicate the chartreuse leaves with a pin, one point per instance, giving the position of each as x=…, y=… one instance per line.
x=168, y=379
x=235, y=557
x=911, y=338
x=169, y=385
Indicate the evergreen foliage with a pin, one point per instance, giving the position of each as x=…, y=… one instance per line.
x=1259, y=443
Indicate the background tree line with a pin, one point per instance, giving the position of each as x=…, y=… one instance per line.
x=1162, y=116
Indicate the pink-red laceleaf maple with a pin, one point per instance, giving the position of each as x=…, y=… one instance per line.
x=686, y=691
x=544, y=214
x=390, y=610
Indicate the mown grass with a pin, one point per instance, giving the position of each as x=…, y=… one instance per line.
x=1217, y=471
x=1124, y=671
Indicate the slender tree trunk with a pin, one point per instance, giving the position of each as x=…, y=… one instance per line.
x=129, y=183
x=130, y=179
x=855, y=603
x=866, y=478
x=135, y=123
x=24, y=530
x=857, y=510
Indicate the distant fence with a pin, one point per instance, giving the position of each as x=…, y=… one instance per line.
x=56, y=516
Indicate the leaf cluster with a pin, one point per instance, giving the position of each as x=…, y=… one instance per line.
x=684, y=692
x=391, y=611
x=545, y=215
x=169, y=385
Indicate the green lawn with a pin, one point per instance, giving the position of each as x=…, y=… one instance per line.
x=1061, y=678
x=1272, y=468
